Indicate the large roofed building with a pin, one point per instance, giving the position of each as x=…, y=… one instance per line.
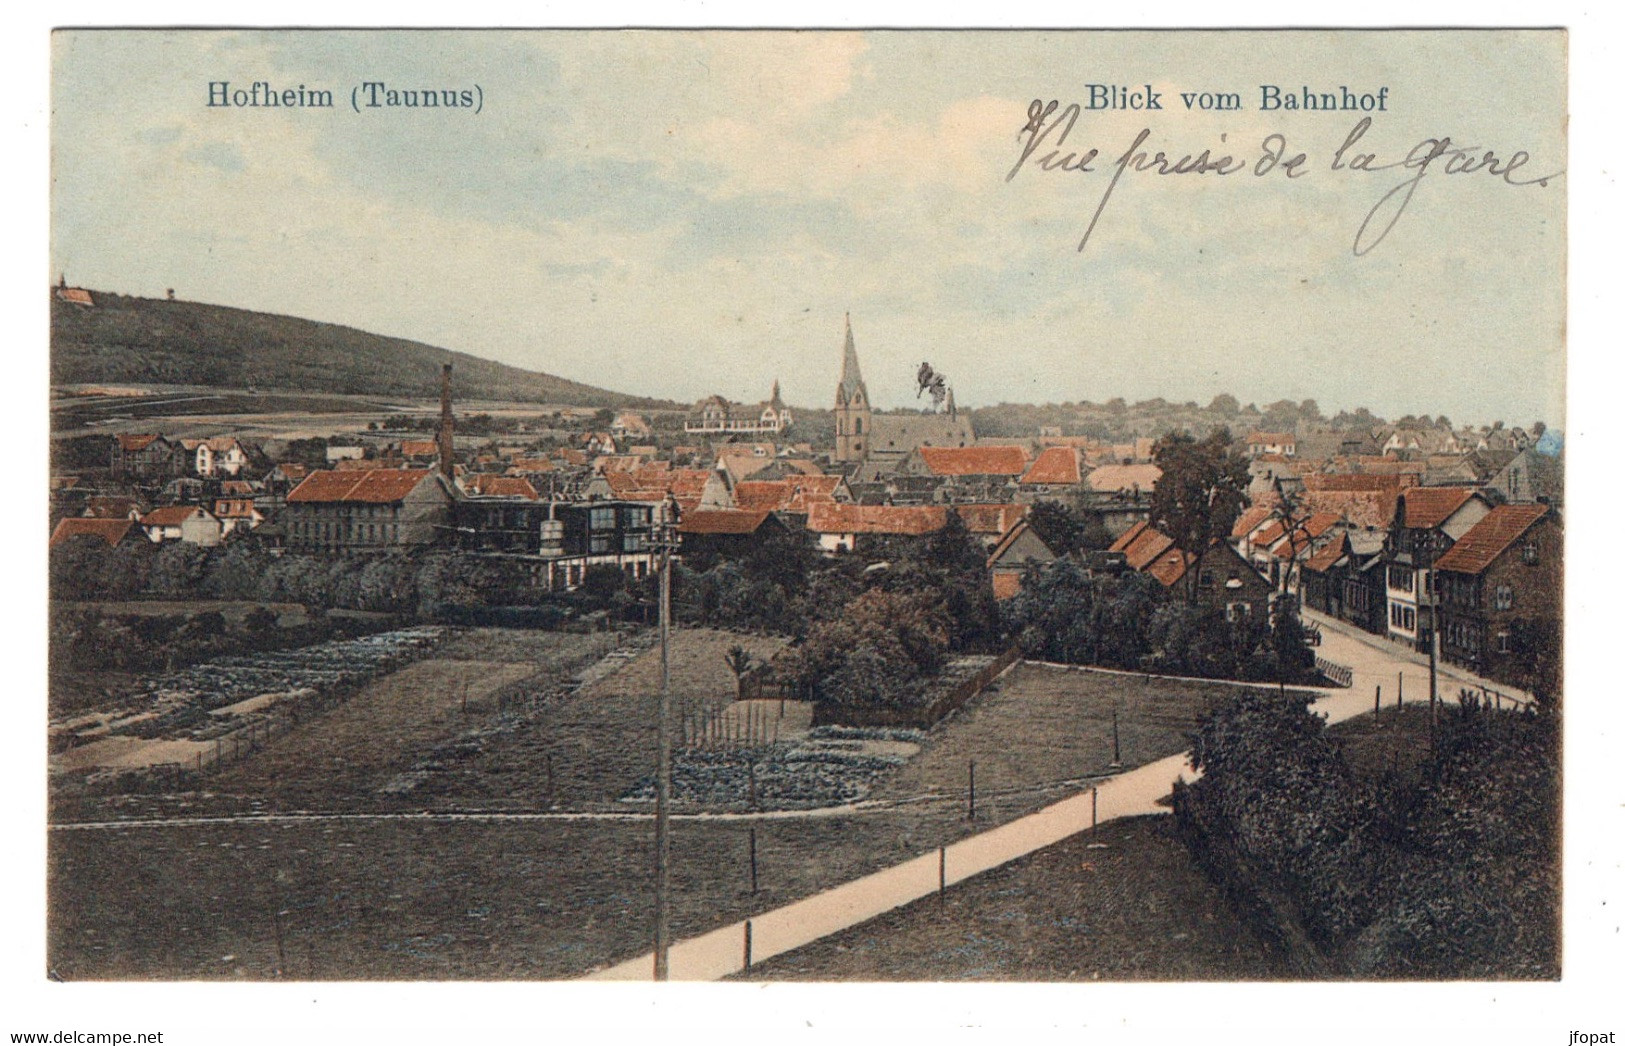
x=371, y=508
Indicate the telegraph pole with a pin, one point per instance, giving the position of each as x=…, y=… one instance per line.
x=665, y=527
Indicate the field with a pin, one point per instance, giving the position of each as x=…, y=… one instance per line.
x=513, y=856
x=1121, y=902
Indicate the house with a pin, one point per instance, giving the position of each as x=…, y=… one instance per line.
x=333, y=455
x=190, y=523
x=1133, y=480
x=1344, y=579
x=1224, y=578
x=995, y=464
x=1021, y=547
x=237, y=514
x=1499, y=584
x=219, y=456
x=630, y=424
x=726, y=532
x=146, y=456
x=1293, y=542
x=1260, y=443
x=715, y=414
x=1056, y=470
x=114, y=531
x=844, y=528
x=1427, y=522
x=74, y=295
x=557, y=542
x=112, y=507
x=343, y=510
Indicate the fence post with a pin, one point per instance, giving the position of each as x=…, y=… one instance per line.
x=972, y=811
x=1094, y=806
x=1399, y=703
x=747, y=944
x=1376, y=707
x=942, y=874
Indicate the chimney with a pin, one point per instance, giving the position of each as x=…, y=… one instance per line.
x=447, y=464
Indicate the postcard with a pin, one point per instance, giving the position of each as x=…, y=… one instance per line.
x=787, y=506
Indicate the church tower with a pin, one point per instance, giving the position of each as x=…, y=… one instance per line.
x=851, y=406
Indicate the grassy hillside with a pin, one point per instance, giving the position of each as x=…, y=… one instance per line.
x=144, y=340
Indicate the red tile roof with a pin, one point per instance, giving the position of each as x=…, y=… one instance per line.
x=990, y=519
x=111, y=531
x=1056, y=465
x=1271, y=437
x=420, y=448
x=763, y=495
x=373, y=486
x=1124, y=478
x=1490, y=537
x=171, y=515
x=1149, y=550
x=1429, y=507
x=112, y=508
x=1141, y=543
x=1250, y=520
x=835, y=517
x=809, y=489
x=974, y=461
x=721, y=521
x=136, y=441
x=1328, y=555
x=488, y=485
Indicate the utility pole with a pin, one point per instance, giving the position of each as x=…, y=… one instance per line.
x=665, y=535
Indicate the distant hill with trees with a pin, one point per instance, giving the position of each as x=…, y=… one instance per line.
x=149, y=341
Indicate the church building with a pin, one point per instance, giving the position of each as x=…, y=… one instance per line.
x=884, y=440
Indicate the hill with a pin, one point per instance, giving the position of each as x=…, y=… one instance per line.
x=148, y=341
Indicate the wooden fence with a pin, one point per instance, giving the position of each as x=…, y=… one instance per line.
x=1341, y=675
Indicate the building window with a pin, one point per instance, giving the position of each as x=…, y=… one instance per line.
x=1531, y=554
x=1237, y=611
x=1503, y=643
x=1503, y=597
x=1410, y=619
x=602, y=519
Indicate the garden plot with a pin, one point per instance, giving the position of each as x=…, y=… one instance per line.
x=423, y=725
x=825, y=766
x=182, y=706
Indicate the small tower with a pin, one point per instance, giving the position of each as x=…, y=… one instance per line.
x=852, y=413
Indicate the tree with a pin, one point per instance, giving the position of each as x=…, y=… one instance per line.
x=1224, y=403
x=1202, y=490
x=739, y=662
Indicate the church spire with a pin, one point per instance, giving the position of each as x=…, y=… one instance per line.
x=851, y=376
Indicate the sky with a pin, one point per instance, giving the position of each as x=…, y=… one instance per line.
x=676, y=214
